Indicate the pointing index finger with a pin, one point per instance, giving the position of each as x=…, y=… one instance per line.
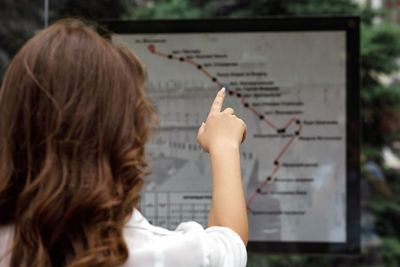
x=218, y=101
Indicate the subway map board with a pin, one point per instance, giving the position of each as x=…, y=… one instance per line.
x=295, y=84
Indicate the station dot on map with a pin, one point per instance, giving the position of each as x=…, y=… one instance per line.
x=152, y=48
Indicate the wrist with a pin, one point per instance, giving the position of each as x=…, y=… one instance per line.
x=224, y=147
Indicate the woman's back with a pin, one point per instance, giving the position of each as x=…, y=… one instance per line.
x=148, y=245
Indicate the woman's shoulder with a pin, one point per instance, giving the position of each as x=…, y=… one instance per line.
x=140, y=231
x=139, y=222
x=6, y=241
x=188, y=245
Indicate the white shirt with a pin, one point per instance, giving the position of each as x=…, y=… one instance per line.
x=190, y=245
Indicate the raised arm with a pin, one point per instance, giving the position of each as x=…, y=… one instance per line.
x=221, y=136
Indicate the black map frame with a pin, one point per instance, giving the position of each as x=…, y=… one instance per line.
x=349, y=25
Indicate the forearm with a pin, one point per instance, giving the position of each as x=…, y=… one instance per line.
x=228, y=206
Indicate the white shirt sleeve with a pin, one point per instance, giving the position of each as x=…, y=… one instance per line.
x=227, y=247
x=220, y=246
x=189, y=245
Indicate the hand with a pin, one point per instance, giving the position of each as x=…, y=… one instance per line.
x=221, y=128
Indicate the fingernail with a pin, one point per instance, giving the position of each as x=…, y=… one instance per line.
x=202, y=124
x=222, y=90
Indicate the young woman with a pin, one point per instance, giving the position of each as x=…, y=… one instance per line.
x=74, y=120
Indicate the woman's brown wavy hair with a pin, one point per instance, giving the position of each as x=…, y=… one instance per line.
x=73, y=123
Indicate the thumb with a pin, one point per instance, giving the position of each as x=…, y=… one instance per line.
x=201, y=129
x=200, y=134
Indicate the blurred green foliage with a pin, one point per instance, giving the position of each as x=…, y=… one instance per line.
x=391, y=251
x=326, y=7
x=380, y=46
x=174, y=9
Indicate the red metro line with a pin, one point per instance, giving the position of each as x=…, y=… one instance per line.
x=258, y=191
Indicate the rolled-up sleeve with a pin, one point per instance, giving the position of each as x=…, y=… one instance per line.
x=224, y=247
x=213, y=247
x=189, y=245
